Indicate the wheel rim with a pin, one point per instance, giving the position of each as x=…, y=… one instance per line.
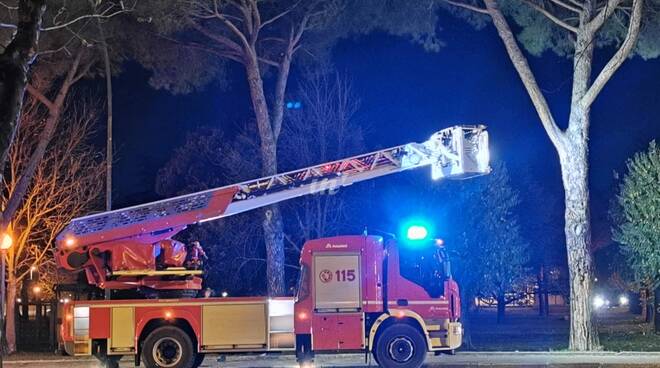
x=167, y=352
x=401, y=349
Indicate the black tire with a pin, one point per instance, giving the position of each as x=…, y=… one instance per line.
x=170, y=347
x=400, y=345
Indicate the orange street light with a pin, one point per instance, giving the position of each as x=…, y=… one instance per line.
x=6, y=242
x=36, y=289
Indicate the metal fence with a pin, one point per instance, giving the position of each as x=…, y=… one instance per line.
x=36, y=326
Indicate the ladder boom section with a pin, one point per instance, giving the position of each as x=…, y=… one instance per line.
x=457, y=152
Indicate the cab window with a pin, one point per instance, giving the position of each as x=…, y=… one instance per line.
x=424, y=266
x=303, y=283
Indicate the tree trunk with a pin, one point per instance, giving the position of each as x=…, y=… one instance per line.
x=10, y=324
x=272, y=225
x=656, y=310
x=16, y=197
x=273, y=230
x=54, y=114
x=14, y=66
x=108, y=95
x=501, y=307
x=540, y=284
x=467, y=304
x=574, y=167
x=274, y=236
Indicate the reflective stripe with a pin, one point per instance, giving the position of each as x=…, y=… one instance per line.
x=422, y=302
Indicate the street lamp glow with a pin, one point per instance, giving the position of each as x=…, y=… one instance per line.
x=623, y=300
x=7, y=241
x=36, y=289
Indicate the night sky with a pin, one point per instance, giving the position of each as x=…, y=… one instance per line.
x=407, y=94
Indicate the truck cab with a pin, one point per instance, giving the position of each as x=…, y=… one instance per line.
x=360, y=293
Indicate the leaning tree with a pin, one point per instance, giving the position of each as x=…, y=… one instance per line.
x=571, y=28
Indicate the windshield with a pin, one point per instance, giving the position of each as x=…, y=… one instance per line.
x=425, y=266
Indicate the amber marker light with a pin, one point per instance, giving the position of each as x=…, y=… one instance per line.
x=70, y=241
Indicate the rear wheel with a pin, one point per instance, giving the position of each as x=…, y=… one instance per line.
x=168, y=347
x=400, y=346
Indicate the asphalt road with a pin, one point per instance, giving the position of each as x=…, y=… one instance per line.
x=498, y=359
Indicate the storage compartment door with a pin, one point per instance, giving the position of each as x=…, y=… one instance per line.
x=351, y=326
x=234, y=326
x=337, y=282
x=123, y=329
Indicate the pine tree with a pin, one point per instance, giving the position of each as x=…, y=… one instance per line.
x=492, y=242
x=638, y=229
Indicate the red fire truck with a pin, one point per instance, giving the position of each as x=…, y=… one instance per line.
x=356, y=293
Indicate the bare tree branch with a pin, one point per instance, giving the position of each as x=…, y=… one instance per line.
x=572, y=8
x=39, y=96
x=234, y=29
x=548, y=14
x=8, y=7
x=280, y=15
x=619, y=57
x=87, y=16
x=225, y=41
x=577, y=3
x=525, y=72
x=603, y=15
x=467, y=6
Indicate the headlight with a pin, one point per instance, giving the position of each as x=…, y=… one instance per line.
x=598, y=302
x=623, y=300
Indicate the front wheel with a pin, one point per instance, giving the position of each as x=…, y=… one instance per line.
x=168, y=347
x=400, y=346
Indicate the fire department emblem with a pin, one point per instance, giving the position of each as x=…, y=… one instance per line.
x=325, y=276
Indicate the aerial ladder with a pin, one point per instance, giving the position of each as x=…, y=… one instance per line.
x=132, y=248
